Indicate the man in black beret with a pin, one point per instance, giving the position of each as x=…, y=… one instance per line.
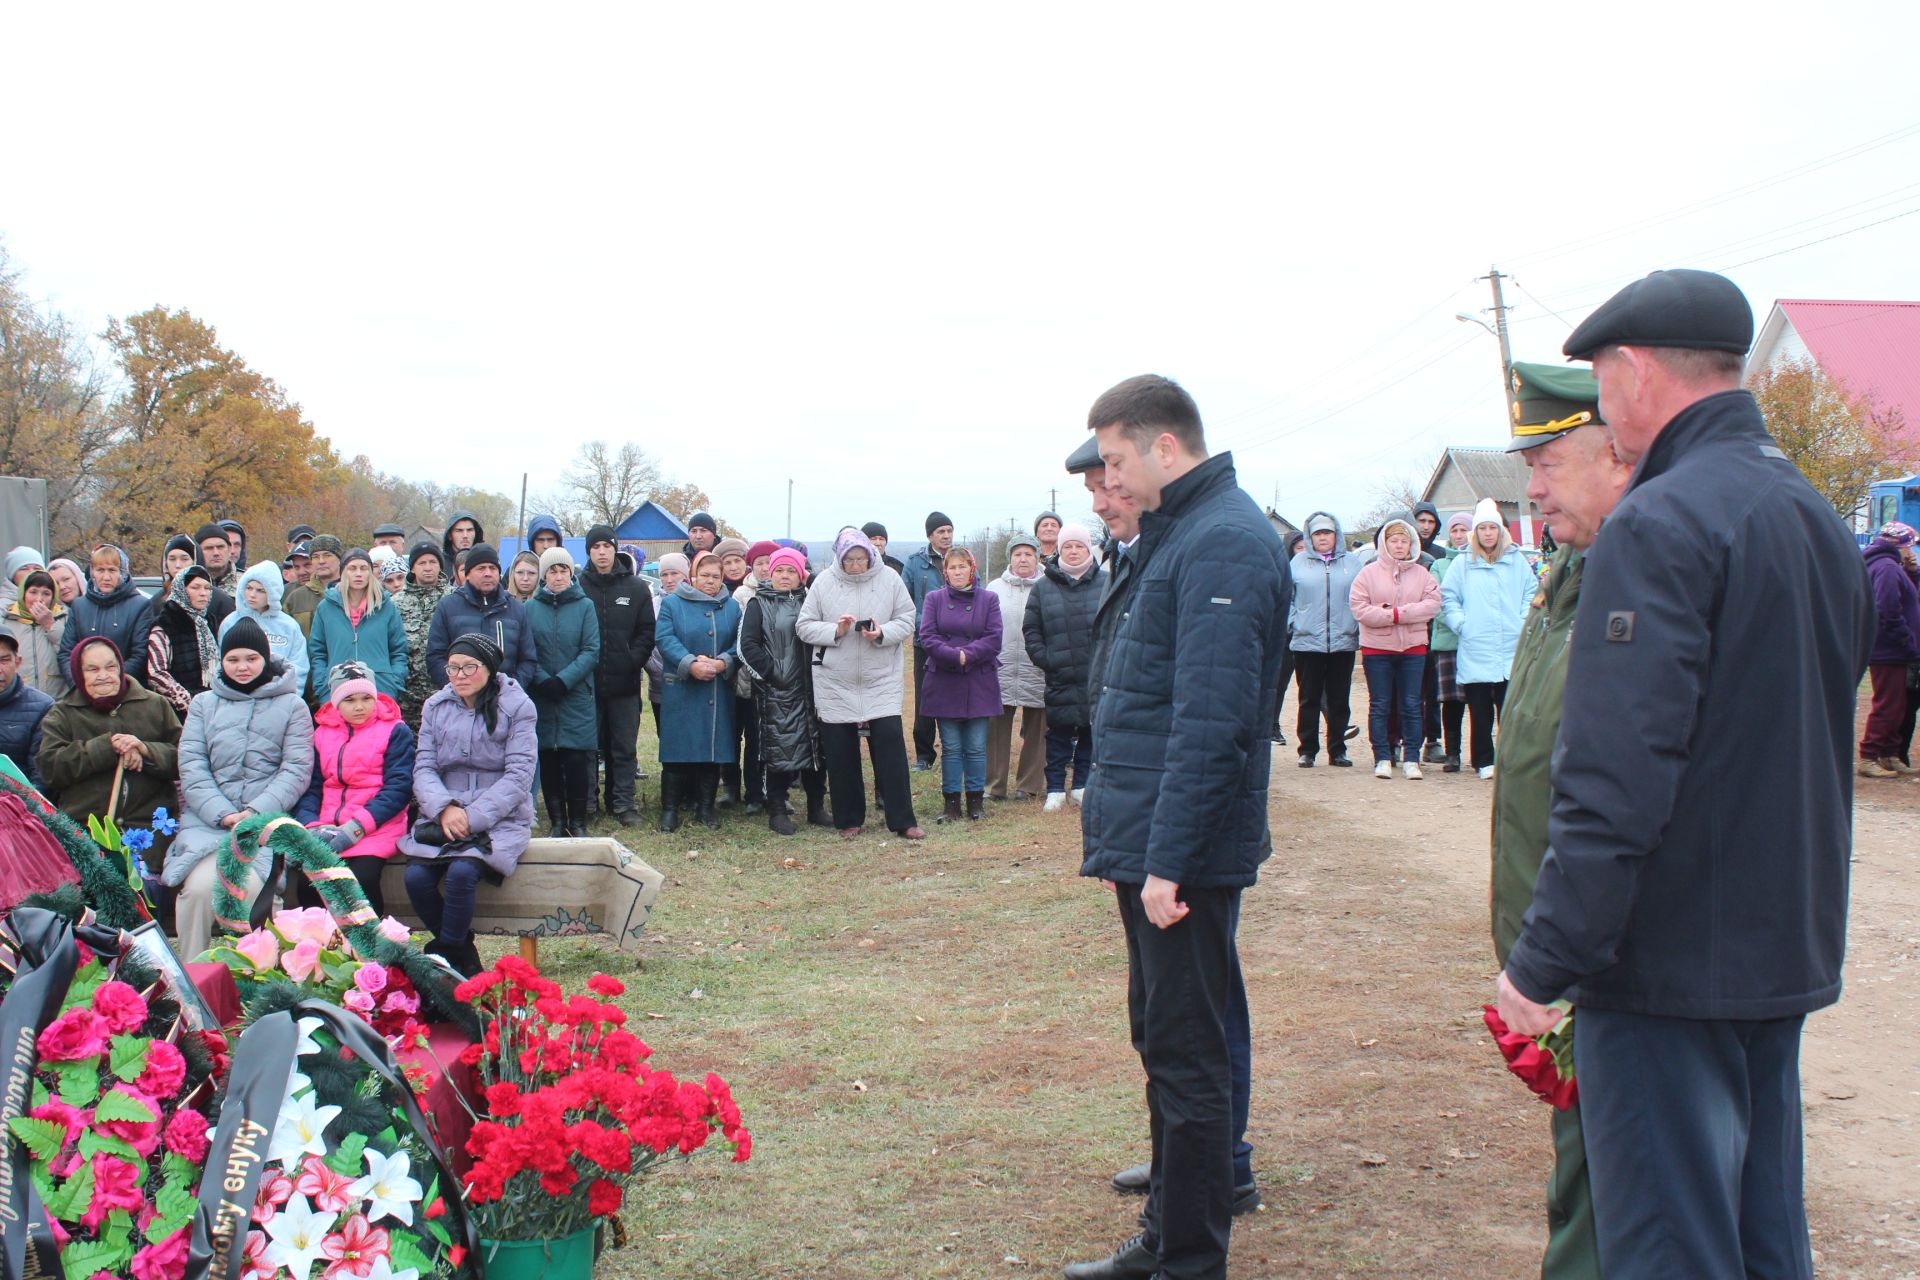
x=1692, y=902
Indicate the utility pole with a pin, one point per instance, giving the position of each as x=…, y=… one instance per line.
x=1053, y=499
x=789, y=510
x=523, y=510
x=1500, y=330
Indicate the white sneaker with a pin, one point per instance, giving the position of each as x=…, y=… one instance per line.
x=1078, y=795
x=1486, y=774
x=1383, y=769
x=1412, y=769
x=1056, y=801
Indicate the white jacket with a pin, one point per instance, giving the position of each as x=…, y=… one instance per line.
x=1021, y=683
x=855, y=679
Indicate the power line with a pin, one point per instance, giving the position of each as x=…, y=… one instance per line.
x=1823, y=239
x=1246, y=446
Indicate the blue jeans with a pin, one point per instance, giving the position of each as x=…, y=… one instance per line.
x=1393, y=681
x=445, y=906
x=963, y=754
x=1064, y=746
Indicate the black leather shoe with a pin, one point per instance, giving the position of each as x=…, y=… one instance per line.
x=1246, y=1199
x=627, y=818
x=1341, y=762
x=1131, y=1261
x=1134, y=1180
x=1353, y=731
x=817, y=816
x=1306, y=761
x=1452, y=765
x=1434, y=755
x=578, y=831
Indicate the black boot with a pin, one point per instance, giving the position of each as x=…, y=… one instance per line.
x=705, y=815
x=559, y=821
x=817, y=815
x=779, y=823
x=952, y=813
x=976, y=805
x=729, y=786
x=669, y=802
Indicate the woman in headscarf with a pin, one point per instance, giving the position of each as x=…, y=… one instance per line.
x=473, y=780
x=960, y=632
x=362, y=779
x=69, y=580
x=697, y=633
x=426, y=585
x=566, y=643
x=857, y=615
x=182, y=654
x=262, y=590
x=673, y=571
x=523, y=577
x=779, y=666
x=246, y=749
x=355, y=622
x=37, y=621
x=109, y=723
x=112, y=607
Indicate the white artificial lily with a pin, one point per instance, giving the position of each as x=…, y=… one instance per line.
x=297, y=1237
x=307, y=1043
x=383, y=1270
x=300, y=1131
x=388, y=1189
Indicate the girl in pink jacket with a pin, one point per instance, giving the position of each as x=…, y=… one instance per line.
x=1394, y=598
x=362, y=779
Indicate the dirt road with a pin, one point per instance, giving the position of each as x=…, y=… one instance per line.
x=1375, y=900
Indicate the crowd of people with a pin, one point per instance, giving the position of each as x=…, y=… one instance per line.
x=414, y=702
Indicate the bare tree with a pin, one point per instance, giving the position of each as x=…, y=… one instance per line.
x=1393, y=496
x=607, y=484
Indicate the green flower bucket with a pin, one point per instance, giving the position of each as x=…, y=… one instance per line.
x=568, y=1258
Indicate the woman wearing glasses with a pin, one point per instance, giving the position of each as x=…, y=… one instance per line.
x=473, y=778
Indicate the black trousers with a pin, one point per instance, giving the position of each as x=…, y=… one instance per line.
x=619, y=739
x=1484, y=701
x=846, y=780
x=1694, y=1145
x=813, y=784
x=1430, y=698
x=1451, y=714
x=926, y=729
x=1325, y=683
x=566, y=782
x=1280, y=698
x=1179, y=983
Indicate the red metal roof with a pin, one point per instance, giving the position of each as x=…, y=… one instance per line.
x=1873, y=347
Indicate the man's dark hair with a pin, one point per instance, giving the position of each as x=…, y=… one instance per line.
x=1146, y=406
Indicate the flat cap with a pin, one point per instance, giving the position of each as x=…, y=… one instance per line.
x=1550, y=400
x=1086, y=457
x=389, y=530
x=1682, y=308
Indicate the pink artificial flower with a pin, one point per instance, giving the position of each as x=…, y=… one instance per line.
x=186, y=1134
x=358, y=1001
x=306, y=924
x=116, y=1185
x=164, y=1261
x=400, y=1002
x=302, y=960
x=166, y=1070
x=143, y=1134
x=393, y=931
x=260, y=947
x=355, y=1248
x=257, y=1266
x=59, y=1112
x=276, y=1189
x=120, y=1007
x=329, y=1191
x=370, y=978
x=74, y=1036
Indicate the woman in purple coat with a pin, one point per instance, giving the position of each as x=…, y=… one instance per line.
x=960, y=634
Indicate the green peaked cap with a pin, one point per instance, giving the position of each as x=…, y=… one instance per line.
x=1550, y=400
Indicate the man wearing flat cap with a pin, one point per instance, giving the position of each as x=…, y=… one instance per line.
x=1575, y=479
x=1692, y=902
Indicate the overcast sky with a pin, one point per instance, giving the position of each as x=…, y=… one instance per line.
x=894, y=255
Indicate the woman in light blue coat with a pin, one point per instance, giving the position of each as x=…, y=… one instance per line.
x=1325, y=637
x=259, y=596
x=1484, y=600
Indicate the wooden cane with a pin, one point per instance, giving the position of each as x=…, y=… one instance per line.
x=113, y=803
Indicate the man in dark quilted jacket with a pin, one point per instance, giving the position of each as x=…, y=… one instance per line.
x=1175, y=814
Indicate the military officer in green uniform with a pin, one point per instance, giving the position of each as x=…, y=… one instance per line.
x=1576, y=480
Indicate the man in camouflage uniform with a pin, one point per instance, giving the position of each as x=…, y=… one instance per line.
x=416, y=604
x=1576, y=481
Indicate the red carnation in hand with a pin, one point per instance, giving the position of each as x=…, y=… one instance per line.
x=1533, y=1060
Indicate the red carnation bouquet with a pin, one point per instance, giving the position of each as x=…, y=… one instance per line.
x=114, y=1124
x=1544, y=1062
x=576, y=1115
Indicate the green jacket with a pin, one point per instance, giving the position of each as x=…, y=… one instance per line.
x=1444, y=640
x=1529, y=723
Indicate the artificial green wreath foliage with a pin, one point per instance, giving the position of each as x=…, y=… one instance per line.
x=345, y=901
x=103, y=885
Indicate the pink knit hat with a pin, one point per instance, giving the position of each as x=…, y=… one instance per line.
x=1076, y=533
x=788, y=556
